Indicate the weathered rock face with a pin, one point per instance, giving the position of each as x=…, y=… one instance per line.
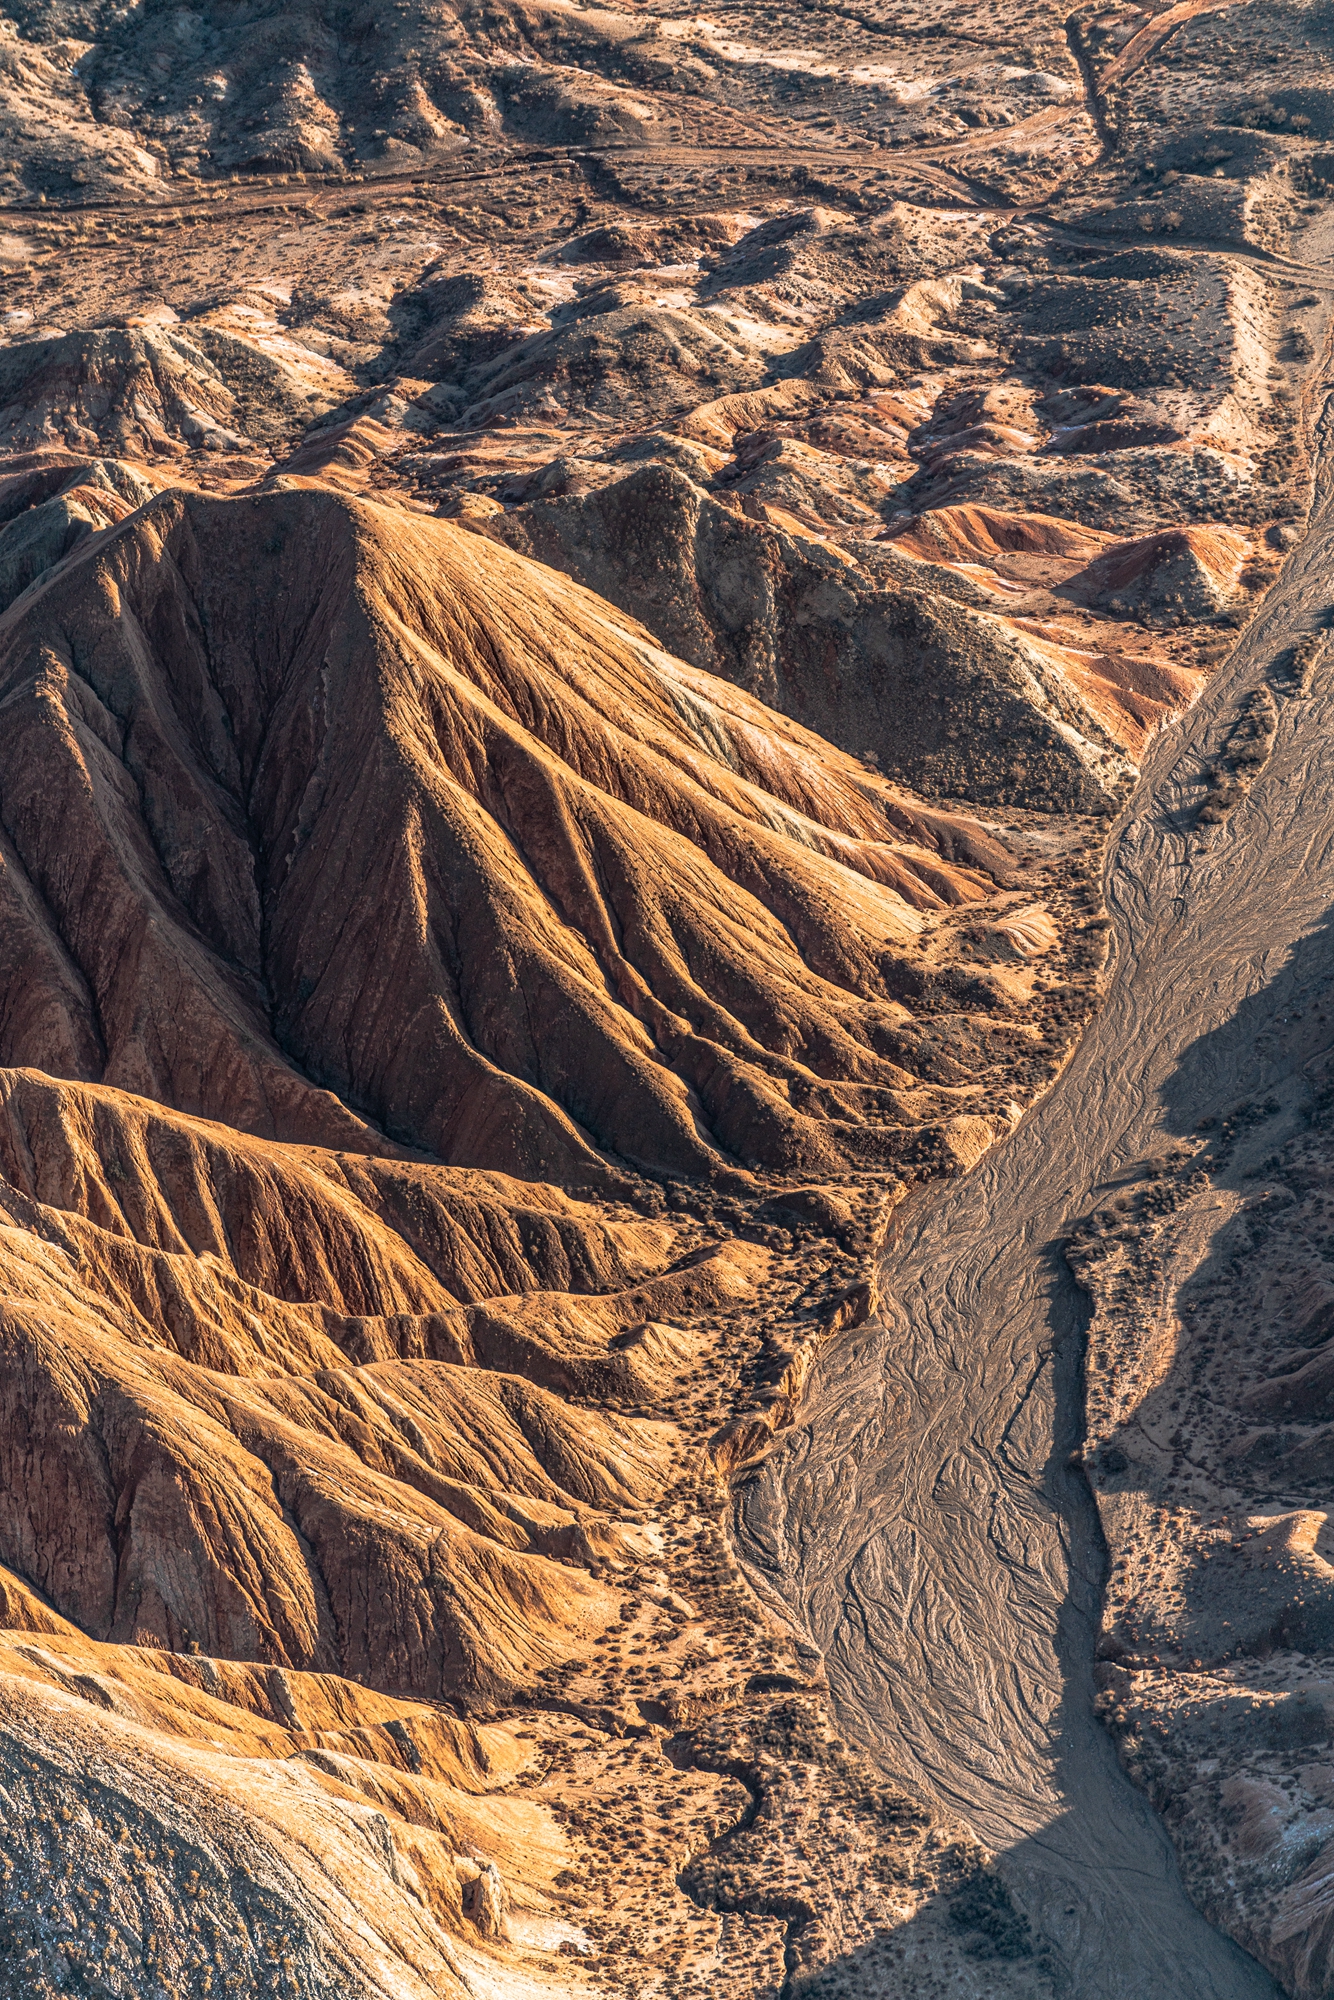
x=162, y=1845
x=175, y=1297
x=347, y=911
x=619, y=356
x=522, y=901
x=440, y=858
x=148, y=392
x=941, y=697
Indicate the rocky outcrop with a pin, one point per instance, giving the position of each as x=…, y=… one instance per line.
x=148, y=392
x=412, y=868
x=471, y=987
x=940, y=697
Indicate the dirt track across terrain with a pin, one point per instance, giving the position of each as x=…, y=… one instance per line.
x=928, y=1524
x=581, y=589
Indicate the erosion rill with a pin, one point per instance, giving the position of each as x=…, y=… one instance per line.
x=666, y=1180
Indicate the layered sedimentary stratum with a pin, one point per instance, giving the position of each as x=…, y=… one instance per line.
x=582, y=590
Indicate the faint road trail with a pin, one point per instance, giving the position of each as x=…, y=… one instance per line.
x=923, y=1523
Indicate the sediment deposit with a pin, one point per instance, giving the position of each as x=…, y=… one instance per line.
x=662, y=1194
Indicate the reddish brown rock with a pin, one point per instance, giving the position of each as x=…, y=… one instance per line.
x=399, y=863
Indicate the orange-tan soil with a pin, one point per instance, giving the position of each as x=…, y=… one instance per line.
x=580, y=591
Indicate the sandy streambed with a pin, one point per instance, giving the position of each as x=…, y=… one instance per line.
x=925, y=1522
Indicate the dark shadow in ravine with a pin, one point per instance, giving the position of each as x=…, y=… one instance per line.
x=1062, y=1906
x=980, y=1270
x=1250, y=1079
x=1263, y=1046
x=977, y=1944
x=1052, y=1874
x=1079, y=1892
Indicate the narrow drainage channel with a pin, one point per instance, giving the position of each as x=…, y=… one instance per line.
x=923, y=1522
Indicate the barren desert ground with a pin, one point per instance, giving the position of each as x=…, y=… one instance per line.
x=666, y=1000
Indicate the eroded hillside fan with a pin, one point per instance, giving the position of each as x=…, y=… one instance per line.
x=581, y=588
x=437, y=848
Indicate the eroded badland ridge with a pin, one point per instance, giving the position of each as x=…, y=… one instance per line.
x=581, y=591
